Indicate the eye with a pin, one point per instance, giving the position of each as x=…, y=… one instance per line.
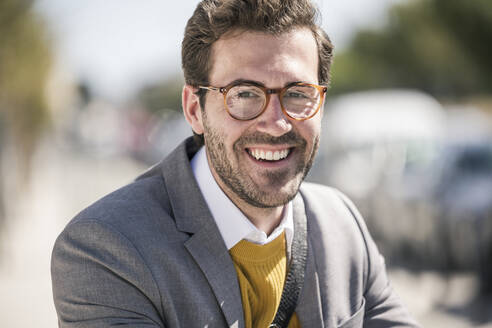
x=295, y=94
x=246, y=94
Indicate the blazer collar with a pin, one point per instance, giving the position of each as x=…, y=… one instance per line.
x=190, y=209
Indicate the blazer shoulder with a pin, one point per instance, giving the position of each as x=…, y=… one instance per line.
x=142, y=205
x=335, y=221
x=328, y=202
x=332, y=209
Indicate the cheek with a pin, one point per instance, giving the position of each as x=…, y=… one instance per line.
x=224, y=130
x=309, y=129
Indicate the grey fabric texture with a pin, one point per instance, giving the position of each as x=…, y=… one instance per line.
x=151, y=255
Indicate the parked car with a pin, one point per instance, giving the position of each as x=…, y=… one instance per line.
x=464, y=196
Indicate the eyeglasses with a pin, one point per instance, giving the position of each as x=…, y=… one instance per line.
x=248, y=100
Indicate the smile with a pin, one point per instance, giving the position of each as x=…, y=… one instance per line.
x=269, y=155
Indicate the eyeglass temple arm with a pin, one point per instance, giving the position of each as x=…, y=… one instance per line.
x=209, y=88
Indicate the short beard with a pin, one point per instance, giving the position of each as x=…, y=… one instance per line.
x=245, y=188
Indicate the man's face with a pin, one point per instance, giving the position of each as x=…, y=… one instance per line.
x=264, y=160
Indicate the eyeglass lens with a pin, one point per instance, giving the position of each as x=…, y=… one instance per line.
x=247, y=101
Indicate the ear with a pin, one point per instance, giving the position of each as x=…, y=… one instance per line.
x=192, y=109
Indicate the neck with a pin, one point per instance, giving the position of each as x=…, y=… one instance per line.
x=264, y=219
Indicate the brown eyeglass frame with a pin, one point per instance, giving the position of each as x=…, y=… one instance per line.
x=280, y=91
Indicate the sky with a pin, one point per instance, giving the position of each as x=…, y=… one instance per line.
x=119, y=45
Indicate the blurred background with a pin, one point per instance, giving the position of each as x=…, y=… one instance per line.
x=90, y=97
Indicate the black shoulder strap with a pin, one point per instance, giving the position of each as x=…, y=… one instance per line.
x=295, y=277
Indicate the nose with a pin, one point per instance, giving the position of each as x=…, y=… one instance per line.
x=273, y=120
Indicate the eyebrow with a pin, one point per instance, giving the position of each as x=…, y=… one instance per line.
x=257, y=83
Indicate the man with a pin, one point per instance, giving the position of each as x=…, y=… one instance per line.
x=225, y=235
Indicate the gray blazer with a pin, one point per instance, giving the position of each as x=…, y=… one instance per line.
x=150, y=255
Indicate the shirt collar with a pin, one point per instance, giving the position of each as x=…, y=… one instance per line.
x=232, y=223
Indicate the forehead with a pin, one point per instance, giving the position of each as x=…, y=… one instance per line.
x=273, y=60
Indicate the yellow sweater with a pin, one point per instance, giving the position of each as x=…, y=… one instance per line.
x=261, y=271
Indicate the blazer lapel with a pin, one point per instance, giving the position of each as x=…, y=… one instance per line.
x=309, y=304
x=205, y=245
x=213, y=258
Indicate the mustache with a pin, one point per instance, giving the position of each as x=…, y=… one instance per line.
x=290, y=138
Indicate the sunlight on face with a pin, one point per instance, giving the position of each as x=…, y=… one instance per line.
x=264, y=160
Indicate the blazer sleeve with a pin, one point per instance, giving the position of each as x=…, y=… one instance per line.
x=383, y=307
x=100, y=279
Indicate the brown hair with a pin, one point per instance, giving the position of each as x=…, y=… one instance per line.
x=214, y=18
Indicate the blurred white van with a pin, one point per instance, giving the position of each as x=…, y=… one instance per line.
x=375, y=138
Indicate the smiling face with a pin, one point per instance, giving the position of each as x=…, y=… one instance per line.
x=260, y=162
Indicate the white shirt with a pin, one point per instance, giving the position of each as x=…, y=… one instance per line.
x=232, y=223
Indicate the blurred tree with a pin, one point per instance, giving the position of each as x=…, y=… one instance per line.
x=163, y=97
x=439, y=46
x=24, y=67
x=471, y=23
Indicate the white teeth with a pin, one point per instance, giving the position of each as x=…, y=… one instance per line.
x=269, y=155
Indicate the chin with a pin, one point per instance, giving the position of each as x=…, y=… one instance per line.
x=276, y=196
